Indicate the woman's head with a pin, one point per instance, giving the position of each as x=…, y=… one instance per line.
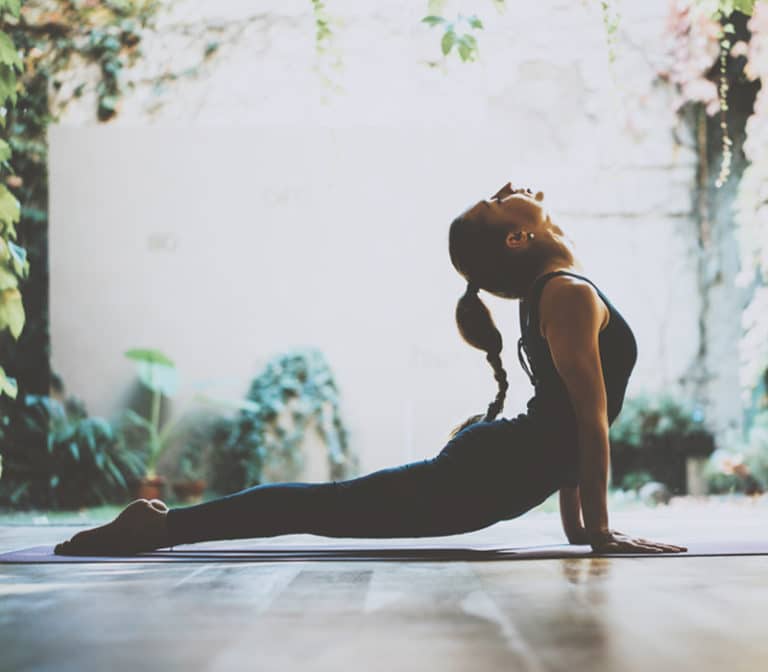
x=501, y=244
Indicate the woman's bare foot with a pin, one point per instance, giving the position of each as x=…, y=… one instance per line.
x=140, y=526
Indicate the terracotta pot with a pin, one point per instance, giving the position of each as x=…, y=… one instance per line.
x=151, y=488
x=189, y=491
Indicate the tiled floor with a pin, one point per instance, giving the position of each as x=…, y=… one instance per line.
x=613, y=615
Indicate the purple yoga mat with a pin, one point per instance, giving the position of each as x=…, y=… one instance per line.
x=403, y=552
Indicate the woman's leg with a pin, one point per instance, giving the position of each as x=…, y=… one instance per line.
x=425, y=498
x=486, y=473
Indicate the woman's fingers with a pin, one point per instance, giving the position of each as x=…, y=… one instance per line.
x=666, y=547
x=623, y=543
x=646, y=548
x=636, y=547
x=672, y=548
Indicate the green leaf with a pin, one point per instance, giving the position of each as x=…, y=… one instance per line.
x=7, y=84
x=8, y=279
x=149, y=355
x=11, y=312
x=725, y=7
x=109, y=103
x=465, y=52
x=19, y=259
x=446, y=44
x=8, y=54
x=433, y=20
x=5, y=150
x=116, y=473
x=155, y=369
x=90, y=439
x=10, y=6
x=8, y=385
x=475, y=22
x=744, y=6
x=10, y=210
x=73, y=448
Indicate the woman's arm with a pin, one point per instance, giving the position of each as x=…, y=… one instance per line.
x=571, y=316
x=570, y=515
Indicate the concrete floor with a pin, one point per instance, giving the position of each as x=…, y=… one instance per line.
x=620, y=614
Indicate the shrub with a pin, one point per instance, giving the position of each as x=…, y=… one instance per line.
x=297, y=384
x=656, y=436
x=54, y=460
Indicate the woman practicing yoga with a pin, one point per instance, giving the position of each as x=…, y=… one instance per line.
x=579, y=352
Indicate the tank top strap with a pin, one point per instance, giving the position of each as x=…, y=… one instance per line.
x=524, y=305
x=530, y=302
x=529, y=306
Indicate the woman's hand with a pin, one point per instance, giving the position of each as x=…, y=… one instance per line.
x=613, y=541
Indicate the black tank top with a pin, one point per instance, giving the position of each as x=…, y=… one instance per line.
x=550, y=408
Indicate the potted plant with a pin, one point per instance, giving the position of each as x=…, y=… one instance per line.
x=189, y=488
x=198, y=436
x=157, y=372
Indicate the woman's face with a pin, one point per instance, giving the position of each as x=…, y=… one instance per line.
x=530, y=239
x=520, y=212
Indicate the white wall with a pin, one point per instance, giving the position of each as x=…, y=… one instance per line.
x=236, y=214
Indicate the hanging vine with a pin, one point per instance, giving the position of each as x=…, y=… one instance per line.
x=705, y=47
x=461, y=31
x=611, y=19
x=14, y=266
x=51, y=37
x=328, y=62
x=752, y=223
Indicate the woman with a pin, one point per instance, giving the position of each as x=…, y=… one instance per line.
x=580, y=354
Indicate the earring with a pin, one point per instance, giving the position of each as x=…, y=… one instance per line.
x=531, y=236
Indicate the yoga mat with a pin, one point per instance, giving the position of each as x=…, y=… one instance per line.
x=253, y=552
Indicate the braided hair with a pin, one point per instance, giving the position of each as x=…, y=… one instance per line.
x=477, y=328
x=479, y=252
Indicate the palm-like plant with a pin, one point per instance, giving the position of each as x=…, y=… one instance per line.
x=158, y=373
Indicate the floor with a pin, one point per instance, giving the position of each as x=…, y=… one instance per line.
x=622, y=614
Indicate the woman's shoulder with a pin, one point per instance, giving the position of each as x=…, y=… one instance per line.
x=563, y=294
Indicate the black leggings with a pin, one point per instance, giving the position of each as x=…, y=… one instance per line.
x=488, y=472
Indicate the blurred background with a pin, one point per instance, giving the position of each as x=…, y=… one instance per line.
x=224, y=234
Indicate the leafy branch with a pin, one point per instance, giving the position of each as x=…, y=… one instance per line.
x=14, y=265
x=459, y=33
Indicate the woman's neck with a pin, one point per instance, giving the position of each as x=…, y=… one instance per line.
x=553, y=266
